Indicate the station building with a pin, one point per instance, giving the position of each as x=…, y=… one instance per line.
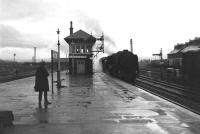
x=80, y=51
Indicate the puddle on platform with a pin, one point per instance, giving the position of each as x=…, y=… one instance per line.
x=123, y=118
x=83, y=92
x=84, y=103
x=136, y=121
x=17, y=99
x=185, y=125
x=22, y=95
x=43, y=121
x=156, y=128
x=141, y=113
x=160, y=111
x=125, y=95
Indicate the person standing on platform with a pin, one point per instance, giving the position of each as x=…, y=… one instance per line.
x=41, y=83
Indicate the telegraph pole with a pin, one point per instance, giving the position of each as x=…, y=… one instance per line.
x=161, y=55
x=131, y=45
x=34, y=59
x=161, y=59
x=58, y=71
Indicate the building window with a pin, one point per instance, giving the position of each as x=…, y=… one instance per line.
x=82, y=49
x=73, y=49
x=88, y=49
x=78, y=49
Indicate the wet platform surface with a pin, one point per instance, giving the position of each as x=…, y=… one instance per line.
x=95, y=104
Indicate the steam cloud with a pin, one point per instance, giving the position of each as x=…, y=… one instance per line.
x=94, y=26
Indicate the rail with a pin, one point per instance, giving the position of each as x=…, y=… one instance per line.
x=185, y=97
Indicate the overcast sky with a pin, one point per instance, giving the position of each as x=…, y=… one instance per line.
x=152, y=24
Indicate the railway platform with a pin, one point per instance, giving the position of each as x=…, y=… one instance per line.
x=95, y=104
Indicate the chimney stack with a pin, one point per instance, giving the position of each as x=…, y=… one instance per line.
x=71, y=28
x=131, y=45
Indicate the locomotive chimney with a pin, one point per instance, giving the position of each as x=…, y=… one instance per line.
x=71, y=28
x=131, y=45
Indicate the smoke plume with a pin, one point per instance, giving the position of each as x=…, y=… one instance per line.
x=94, y=26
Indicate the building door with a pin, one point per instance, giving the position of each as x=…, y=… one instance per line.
x=80, y=66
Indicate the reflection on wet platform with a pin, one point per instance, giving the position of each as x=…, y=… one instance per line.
x=95, y=103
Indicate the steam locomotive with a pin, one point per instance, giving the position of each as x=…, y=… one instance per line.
x=123, y=65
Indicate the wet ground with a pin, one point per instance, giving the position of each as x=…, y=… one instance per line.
x=95, y=104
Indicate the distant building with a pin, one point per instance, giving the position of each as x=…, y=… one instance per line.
x=80, y=52
x=175, y=57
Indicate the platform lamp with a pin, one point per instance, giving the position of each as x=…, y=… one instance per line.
x=14, y=56
x=58, y=70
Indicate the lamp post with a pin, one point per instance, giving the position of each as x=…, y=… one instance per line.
x=14, y=56
x=58, y=71
x=161, y=61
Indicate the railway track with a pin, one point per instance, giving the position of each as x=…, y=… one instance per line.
x=15, y=77
x=180, y=95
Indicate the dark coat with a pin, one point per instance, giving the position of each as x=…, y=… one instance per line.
x=41, y=79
